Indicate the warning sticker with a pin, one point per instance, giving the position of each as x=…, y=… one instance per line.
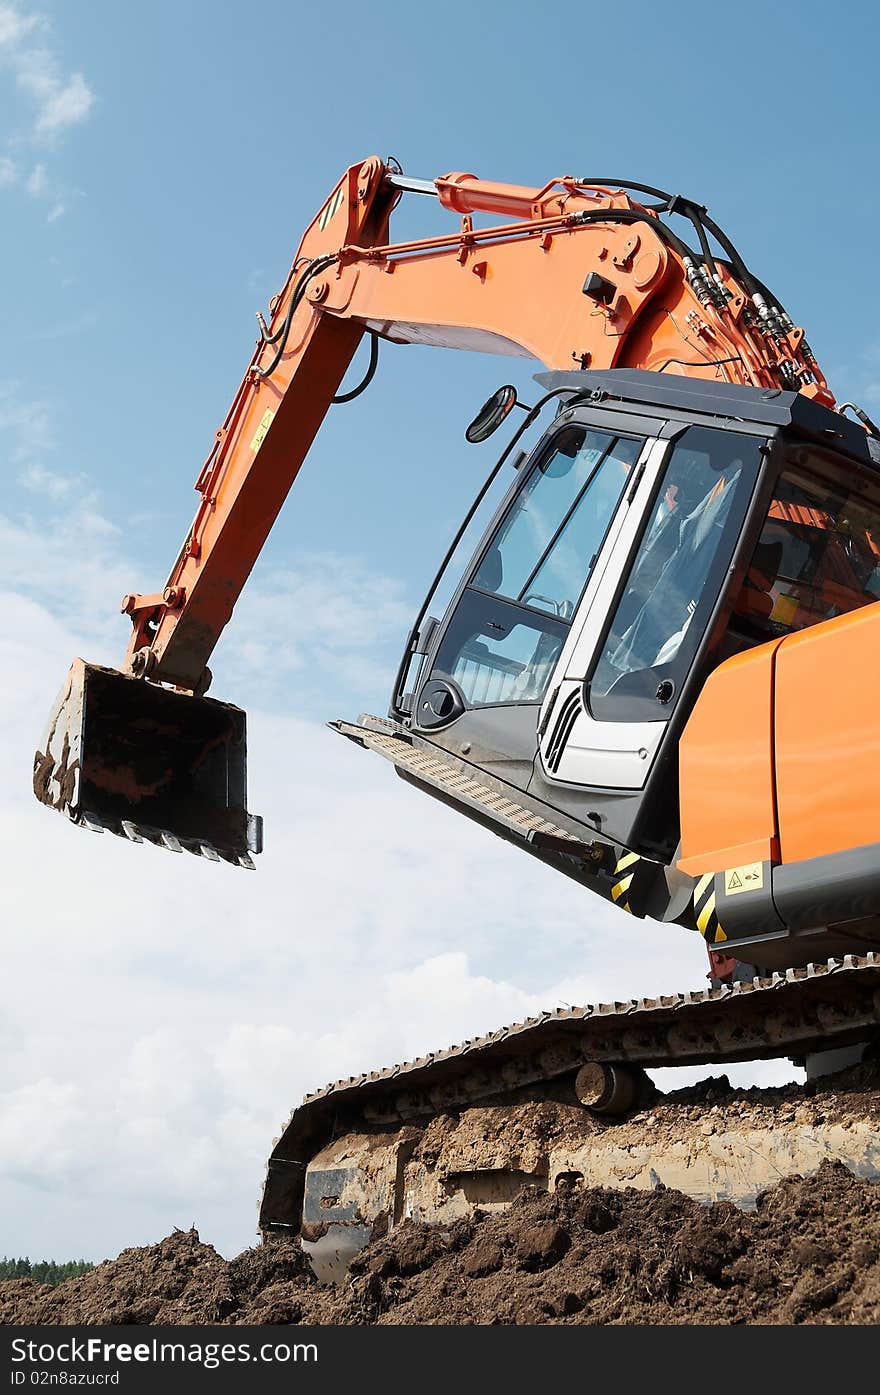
x=747, y=878
x=331, y=208
x=260, y=434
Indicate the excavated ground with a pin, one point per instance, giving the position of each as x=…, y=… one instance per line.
x=808, y=1253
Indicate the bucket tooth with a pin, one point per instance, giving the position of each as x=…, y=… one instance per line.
x=170, y=842
x=131, y=831
x=210, y=853
x=255, y=833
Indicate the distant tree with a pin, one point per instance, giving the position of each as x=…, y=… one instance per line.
x=45, y=1271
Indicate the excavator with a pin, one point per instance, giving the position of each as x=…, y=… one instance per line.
x=657, y=673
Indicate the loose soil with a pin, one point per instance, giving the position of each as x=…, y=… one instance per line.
x=808, y=1253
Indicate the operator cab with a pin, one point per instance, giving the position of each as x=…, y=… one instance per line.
x=659, y=527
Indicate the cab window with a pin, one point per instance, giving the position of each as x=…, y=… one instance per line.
x=818, y=556
x=677, y=575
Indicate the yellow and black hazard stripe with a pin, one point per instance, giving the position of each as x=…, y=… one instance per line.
x=705, y=914
x=625, y=871
x=637, y=884
x=330, y=208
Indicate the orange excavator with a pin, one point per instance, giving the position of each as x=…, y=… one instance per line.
x=657, y=672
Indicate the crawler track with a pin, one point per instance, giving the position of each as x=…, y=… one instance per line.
x=803, y=1010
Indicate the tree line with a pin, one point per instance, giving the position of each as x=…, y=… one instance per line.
x=45, y=1271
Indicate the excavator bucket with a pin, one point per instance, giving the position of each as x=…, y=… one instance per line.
x=150, y=764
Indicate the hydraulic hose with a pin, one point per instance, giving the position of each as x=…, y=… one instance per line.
x=317, y=265
x=368, y=376
x=701, y=220
x=637, y=215
x=264, y=332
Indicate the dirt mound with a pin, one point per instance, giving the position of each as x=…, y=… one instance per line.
x=809, y=1253
x=180, y=1280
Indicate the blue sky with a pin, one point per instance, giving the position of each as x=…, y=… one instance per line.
x=157, y=166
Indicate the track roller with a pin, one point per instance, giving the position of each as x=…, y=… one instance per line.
x=606, y=1089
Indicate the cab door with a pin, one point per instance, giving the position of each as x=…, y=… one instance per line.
x=626, y=669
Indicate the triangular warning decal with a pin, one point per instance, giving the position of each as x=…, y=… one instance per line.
x=747, y=878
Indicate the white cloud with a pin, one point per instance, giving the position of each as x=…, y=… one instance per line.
x=55, y=101
x=36, y=182
x=69, y=103
x=15, y=26
x=326, y=622
x=25, y=424
x=28, y=440
x=59, y=101
x=25, y=1149
x=49, y=482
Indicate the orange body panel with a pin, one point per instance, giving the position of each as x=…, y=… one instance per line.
x=828, y=737
x=766, y=761
x=728, y=807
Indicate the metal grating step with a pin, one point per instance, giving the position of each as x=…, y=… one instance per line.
x=447, y=777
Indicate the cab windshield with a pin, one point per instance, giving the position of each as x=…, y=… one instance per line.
x=545, y=548
x=512, y=620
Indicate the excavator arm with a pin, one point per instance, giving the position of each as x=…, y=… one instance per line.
x=577, y=275
x=581, y=277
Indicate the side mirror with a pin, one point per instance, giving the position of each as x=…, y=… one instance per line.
x=491, y=414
